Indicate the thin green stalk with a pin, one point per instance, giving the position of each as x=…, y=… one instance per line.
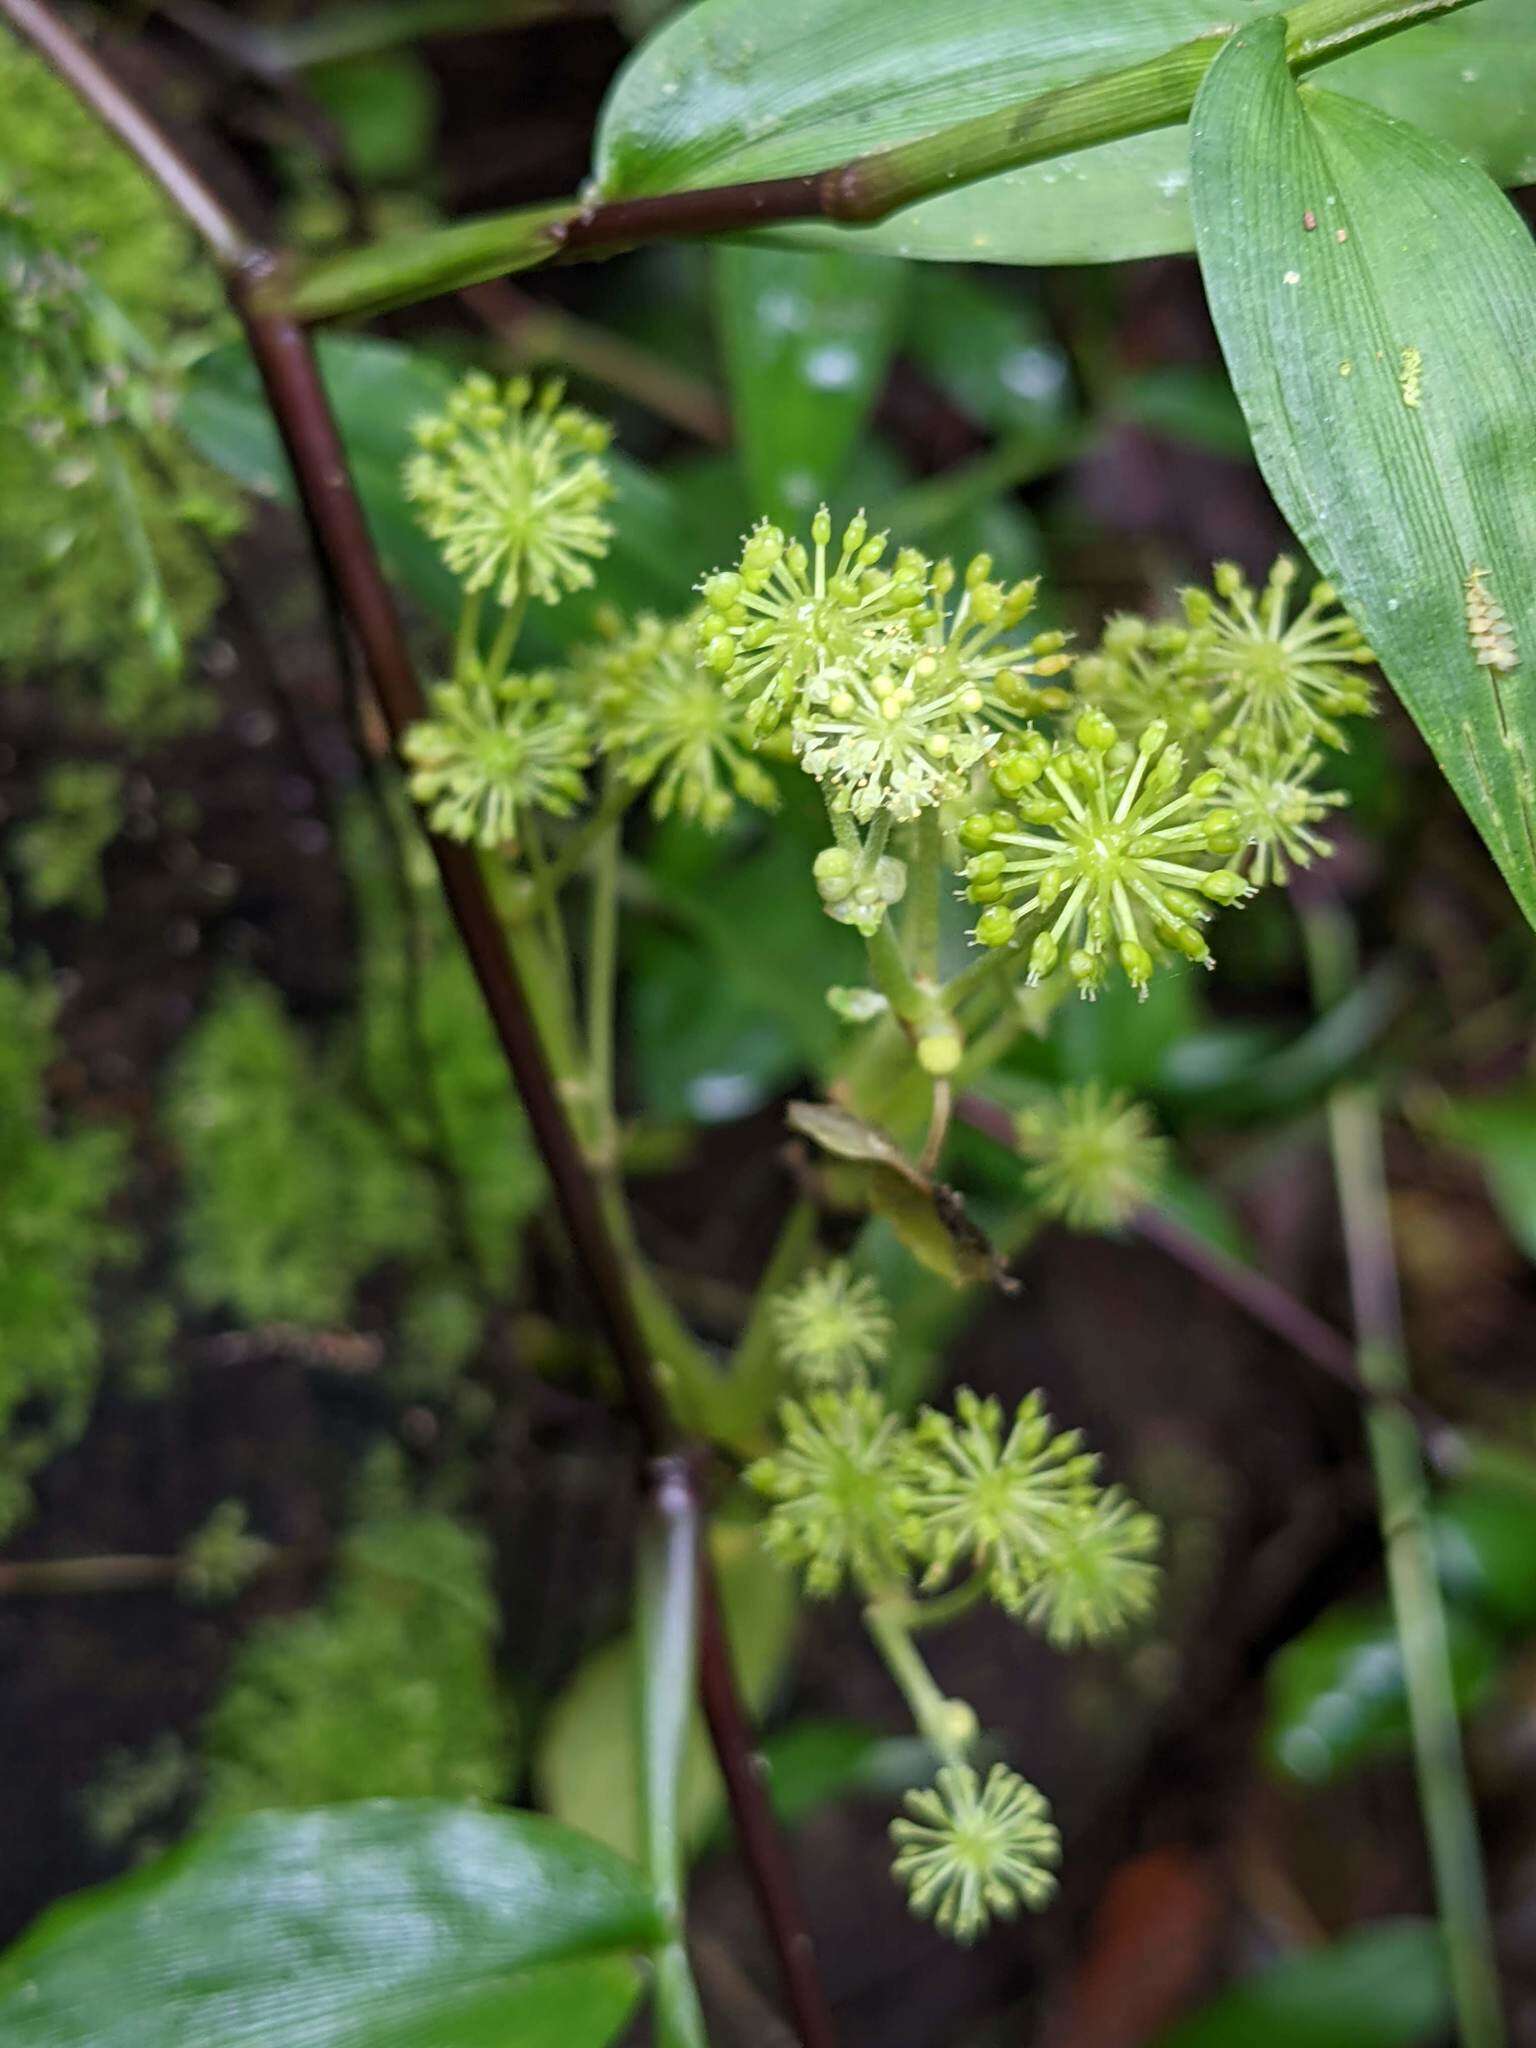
x=925, y=880
x=893, y=977
x=666, y=1629
x=943, y=1608
x=1445, y=1796
x=543, y=899
x=466, y=644
x=588, y=834
x=499, y=659
x=602, y=976
x=948, y=1726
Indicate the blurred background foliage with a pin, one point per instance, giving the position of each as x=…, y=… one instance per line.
x=272, y=1233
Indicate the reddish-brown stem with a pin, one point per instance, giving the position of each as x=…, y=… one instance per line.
x=291, y=379
x=125, y=1574
x=347, y=558
x=757, y=1832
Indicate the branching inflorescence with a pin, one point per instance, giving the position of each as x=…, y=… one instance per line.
x=1095, y=811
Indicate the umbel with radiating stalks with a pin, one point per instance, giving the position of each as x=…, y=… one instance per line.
x=1094, y=812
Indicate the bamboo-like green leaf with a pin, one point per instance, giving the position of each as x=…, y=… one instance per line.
x=1383, y=357
x=808, y=336
x=733, y=89
x=384, y=1924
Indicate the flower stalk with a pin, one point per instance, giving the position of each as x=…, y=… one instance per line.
x=1445, y=1794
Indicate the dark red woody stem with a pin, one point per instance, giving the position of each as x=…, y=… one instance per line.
x=349, y=562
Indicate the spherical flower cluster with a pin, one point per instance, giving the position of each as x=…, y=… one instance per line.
x=1112, y=852
x=992, y=1494
x=1100, y=1575
x=833, y=1326
x=1140, y=672
x=786, y=614
x=494, y=749
x=969, y=1851
x=839, y=1507
x=509, y=481
x=1276, y=803
x=667, y=723
x=1094, y=1156
x=891, y=741
x=892, y=696
x=1276, y=681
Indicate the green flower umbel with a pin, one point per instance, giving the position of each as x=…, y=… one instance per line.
x=1112, y=854
x=889, y=732
x=968, y=1852
x=1094, y=1156
x=839, y=1506
x=510, y=483
x=1276, y=681
x=1138, y=673
x=832, y=1326
x=1276, y=803
x=494, y=750
x=786, y=614
x=667, y=722
x=1099, y=1574
x=991, y=1494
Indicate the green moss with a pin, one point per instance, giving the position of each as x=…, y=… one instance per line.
x=54, y=1233
x=387, y=1689
x=293, y=1194
x=59, y=851
x=104, y=570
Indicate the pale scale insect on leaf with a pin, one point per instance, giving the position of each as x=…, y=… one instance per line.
x=1488, y=629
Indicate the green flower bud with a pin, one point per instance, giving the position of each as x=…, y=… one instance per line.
x=940, y=1052
x=1096, y=732
x=995, y=926
x=1224, y=886
x=1043, y=955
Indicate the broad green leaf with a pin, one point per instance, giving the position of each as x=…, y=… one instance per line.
x=379, y=389
x=808, y=337
x=1382, y=1987
x=384, y=1924
x=810, y=1763
x=1383, y=360
x=586, y=1769
x=1500, y=1131
x=731, y=89
x=992, y=350
x=1485, y=1549
x=1337, y=1696
x=386, y=108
